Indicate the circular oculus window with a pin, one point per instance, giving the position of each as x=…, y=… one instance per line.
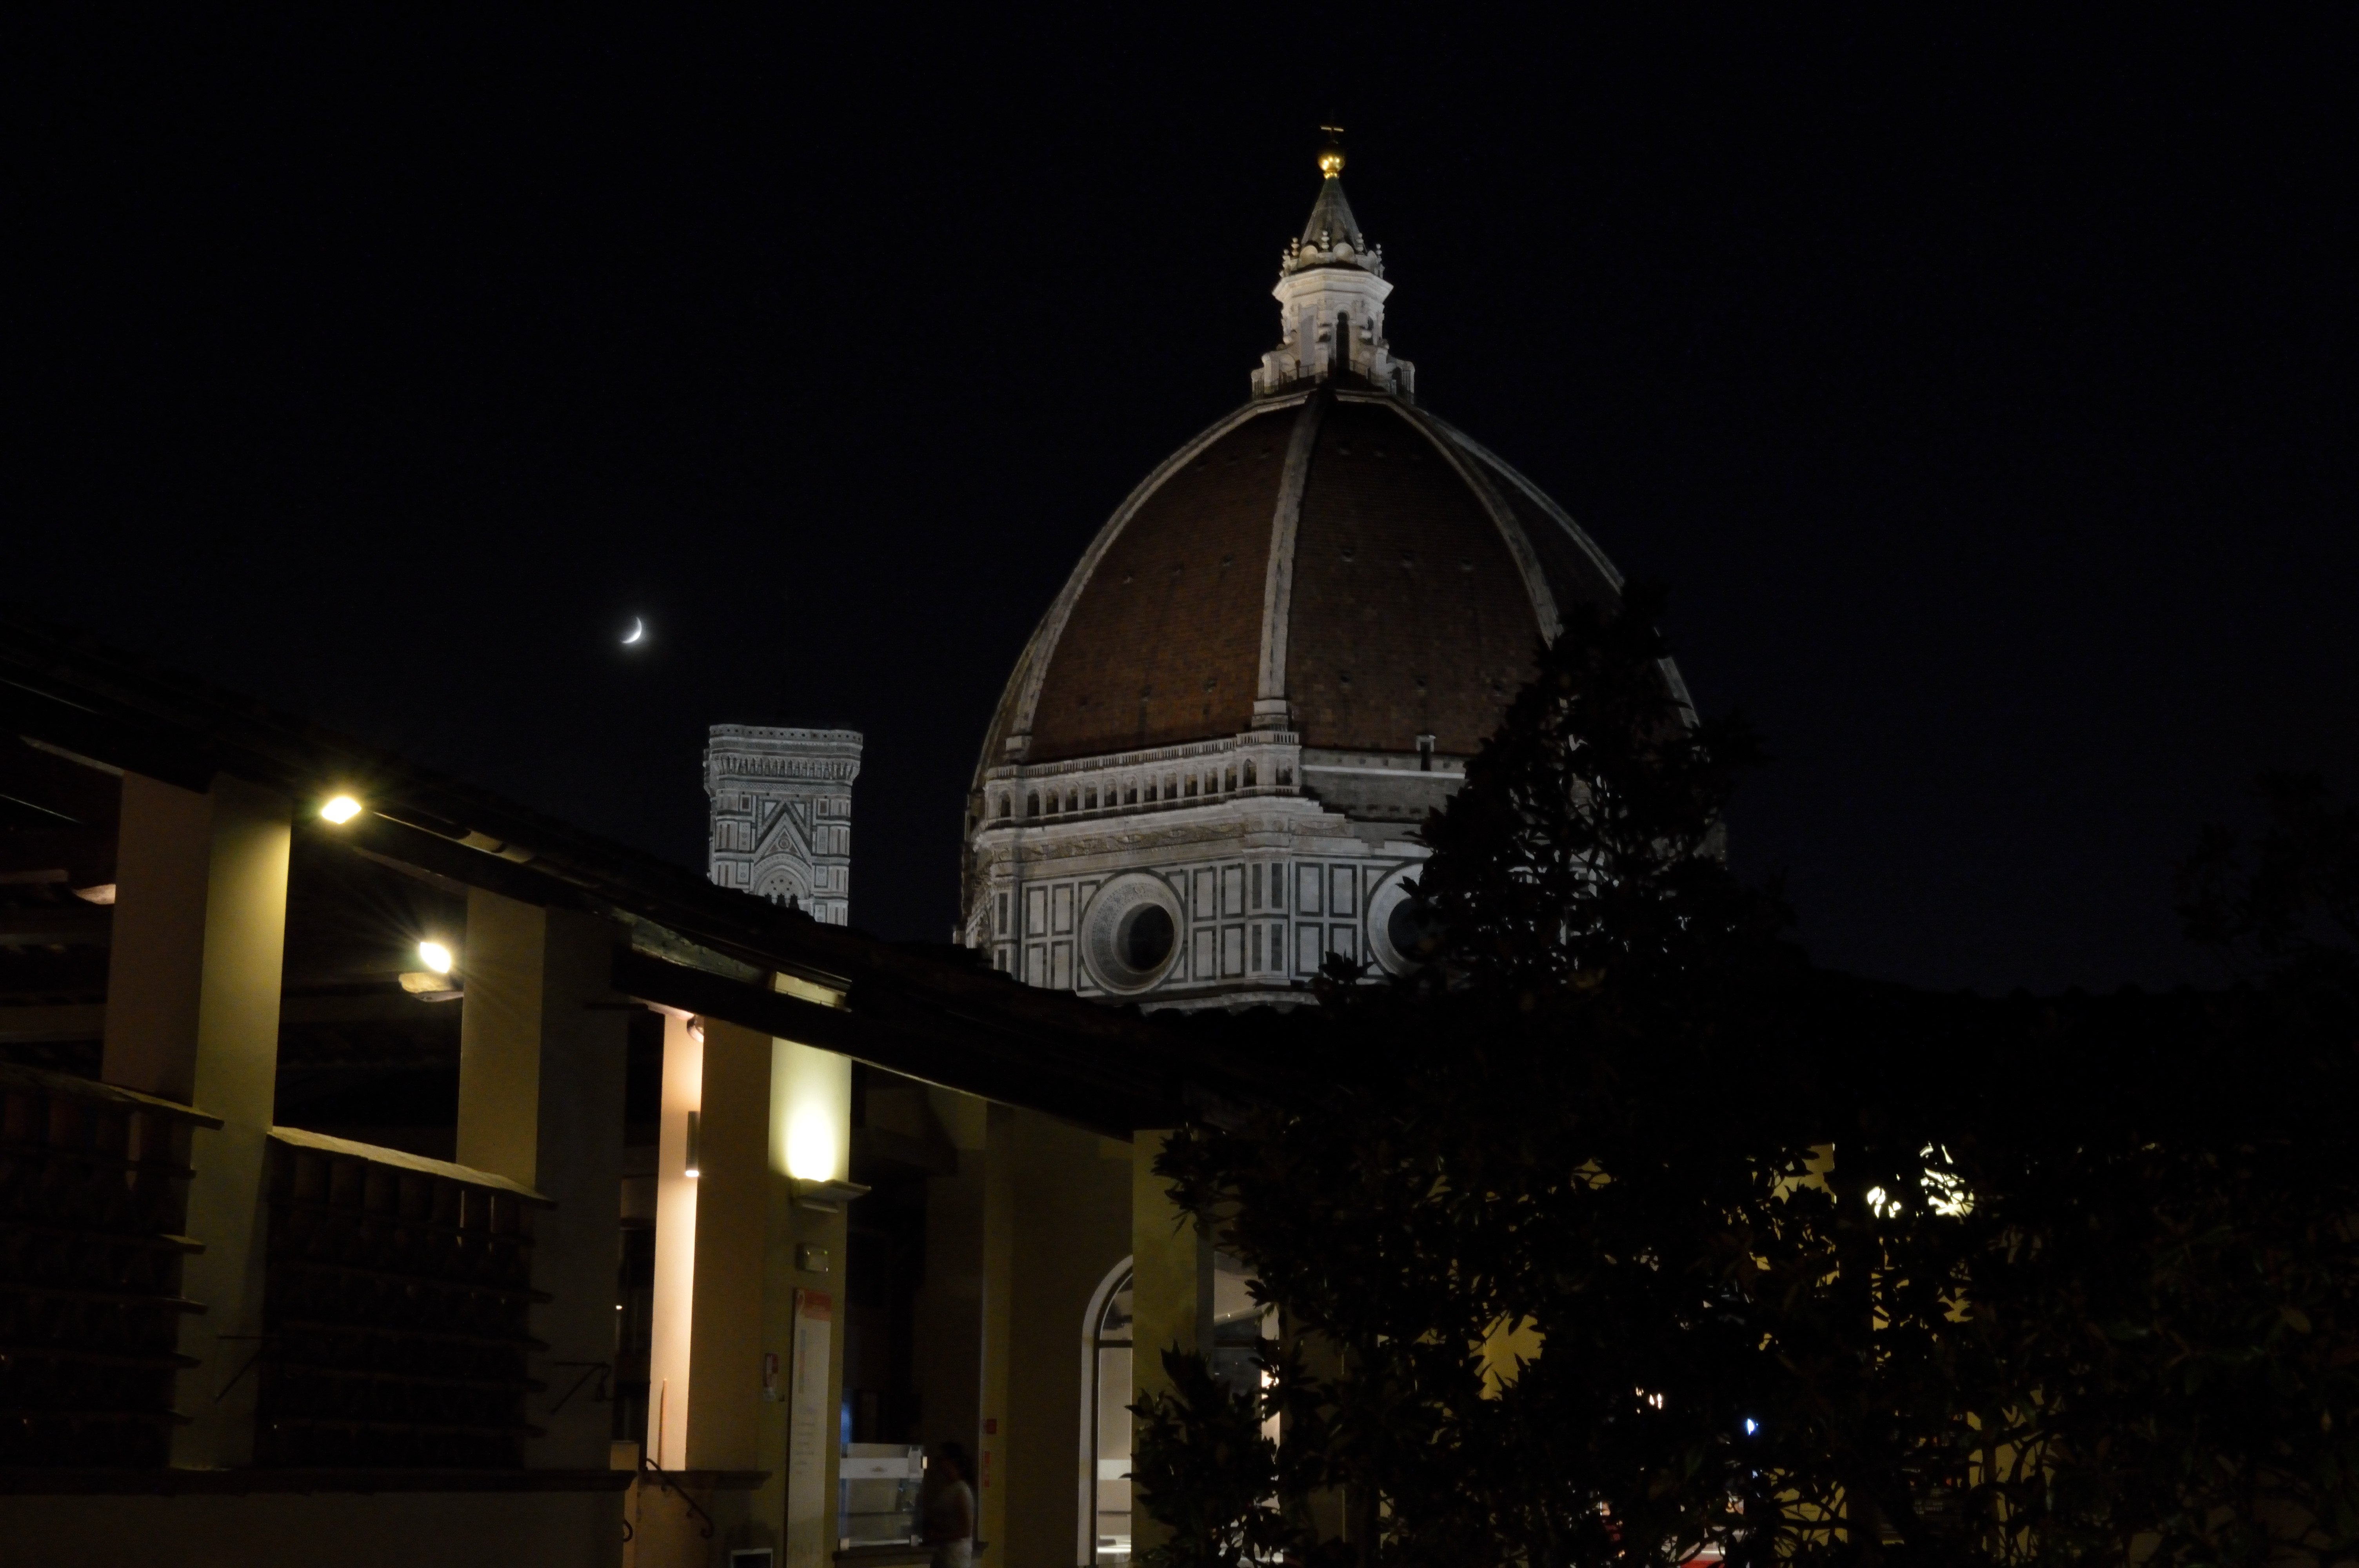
x=1130, y=933
x=1403, y=930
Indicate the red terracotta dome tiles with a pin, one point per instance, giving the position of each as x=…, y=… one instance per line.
x=1409, y=615
x=1164, y=644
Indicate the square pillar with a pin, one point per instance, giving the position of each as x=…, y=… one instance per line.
x=746, y=1364
x=1069, y=1231
x=192, y=1015
x=672, y=1310
x=541, y=1049
x=811, y=1142
x=709, y=1380
x=720, y=1428
x=1171, y=1301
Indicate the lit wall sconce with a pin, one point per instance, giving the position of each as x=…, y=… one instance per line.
x=695, y=1143
x=434, y=982
x=810, y=1143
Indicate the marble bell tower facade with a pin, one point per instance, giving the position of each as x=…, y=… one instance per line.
x=781, y=822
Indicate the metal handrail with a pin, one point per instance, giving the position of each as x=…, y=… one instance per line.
x=664, y=1480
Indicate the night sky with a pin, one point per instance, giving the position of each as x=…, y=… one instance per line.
x=1984, y=396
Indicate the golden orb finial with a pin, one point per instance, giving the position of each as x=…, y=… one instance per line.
x=1330, y=157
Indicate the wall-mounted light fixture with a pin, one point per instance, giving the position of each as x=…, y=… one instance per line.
x=695, y=1141
x=810, y=1144
x=826, y=1197
x=340, y=809
x=435, y=982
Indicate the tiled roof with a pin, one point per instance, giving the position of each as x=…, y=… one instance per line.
x=1423, y=573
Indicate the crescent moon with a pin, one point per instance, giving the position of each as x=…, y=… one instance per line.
x=638, y=629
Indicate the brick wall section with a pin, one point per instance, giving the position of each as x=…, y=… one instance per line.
x=1409, y=615
x=1164, y=645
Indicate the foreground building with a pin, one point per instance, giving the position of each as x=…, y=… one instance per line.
x=1209, y=767
x=392, y=1174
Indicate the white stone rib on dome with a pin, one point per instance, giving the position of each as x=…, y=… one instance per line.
x=1023, y=690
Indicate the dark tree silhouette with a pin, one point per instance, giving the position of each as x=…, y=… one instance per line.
x=1621, y=1233
x=1586, y=836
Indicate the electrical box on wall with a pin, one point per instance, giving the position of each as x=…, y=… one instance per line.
x=811, y=1259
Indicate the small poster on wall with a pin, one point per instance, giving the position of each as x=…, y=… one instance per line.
x=807, y=1431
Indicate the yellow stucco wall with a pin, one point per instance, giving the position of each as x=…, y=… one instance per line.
x=1070, y=1223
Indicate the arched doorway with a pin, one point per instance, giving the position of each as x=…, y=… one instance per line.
x=1238, y=1324
x=1105, y=1423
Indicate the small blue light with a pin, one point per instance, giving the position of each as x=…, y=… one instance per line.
x=1751, y=1426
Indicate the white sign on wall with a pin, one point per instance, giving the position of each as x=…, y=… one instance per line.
x=809, y=1429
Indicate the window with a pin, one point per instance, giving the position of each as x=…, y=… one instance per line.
x=1285, y=777
x=1130, y=794
x=1001, y=928
x=1072, y=800
x=1191, y=784
x=1093, y=800
x=1229, y=779
x=1249, y=775
x=1005, y=807
x=1107, y=1333
x=1053, y=803
x=1032, y=803
x=1105, y=1454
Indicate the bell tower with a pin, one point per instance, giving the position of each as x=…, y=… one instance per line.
x=781, y=823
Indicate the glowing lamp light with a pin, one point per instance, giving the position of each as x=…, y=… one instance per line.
x=1751, y=1426
x=341, y=810
x=810, y=1144
x=435, y=957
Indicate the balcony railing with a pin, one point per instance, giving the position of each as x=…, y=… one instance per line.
x=93, y=1198
x=396, y=1311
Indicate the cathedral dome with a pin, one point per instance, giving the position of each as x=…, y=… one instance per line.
x=1205, y=777
x=1329, y=559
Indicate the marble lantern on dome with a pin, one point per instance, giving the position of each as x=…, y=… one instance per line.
x=1209, y=768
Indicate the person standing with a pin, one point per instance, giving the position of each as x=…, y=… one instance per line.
x=950, y=1509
